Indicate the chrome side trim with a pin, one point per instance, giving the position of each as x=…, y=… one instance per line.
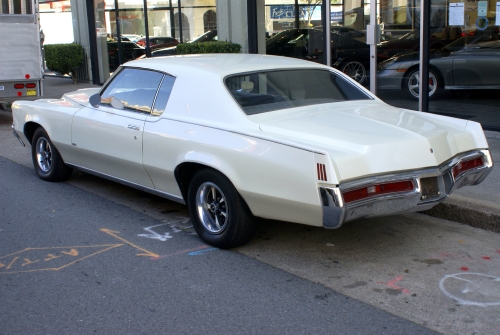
x=336, y=212
x=128, y=183
x=17, y=136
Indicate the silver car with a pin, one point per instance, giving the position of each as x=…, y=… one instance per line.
x=471, y=62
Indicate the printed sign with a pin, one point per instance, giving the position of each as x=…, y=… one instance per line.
x=482, y=8
x=456, y=14
x=498, y=14
x=2, y=88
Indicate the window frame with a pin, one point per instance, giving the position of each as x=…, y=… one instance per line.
x=151, y=109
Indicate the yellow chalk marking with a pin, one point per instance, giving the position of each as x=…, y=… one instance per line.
x=28, y=262
x=72, y=252
x=13, y=261
x=51, y=257
x=48, y=257
x=113, y=233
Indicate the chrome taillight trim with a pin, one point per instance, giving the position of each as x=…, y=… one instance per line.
x=336, y=211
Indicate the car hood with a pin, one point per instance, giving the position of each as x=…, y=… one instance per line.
x=370, y=138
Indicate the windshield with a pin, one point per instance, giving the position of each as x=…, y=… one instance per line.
x=262, y=92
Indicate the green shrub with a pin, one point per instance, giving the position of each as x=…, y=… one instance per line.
x=64, y=58
x=208, y=48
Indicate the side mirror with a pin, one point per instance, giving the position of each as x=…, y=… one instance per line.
x=95, y=100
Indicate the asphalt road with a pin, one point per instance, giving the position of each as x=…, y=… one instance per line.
x=81, y=256
x=73, y=262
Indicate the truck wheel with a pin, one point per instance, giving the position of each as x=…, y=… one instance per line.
x=46, y=159
x=219, y=214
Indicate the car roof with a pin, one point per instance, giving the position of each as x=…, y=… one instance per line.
x=220, y=64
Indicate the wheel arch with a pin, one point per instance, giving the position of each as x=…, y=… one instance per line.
x=185, y=171
x=29, y=130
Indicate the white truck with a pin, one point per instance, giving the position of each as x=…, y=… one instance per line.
x=21, y=70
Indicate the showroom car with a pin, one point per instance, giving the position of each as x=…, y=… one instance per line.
x=237, y=137
x=470, y=63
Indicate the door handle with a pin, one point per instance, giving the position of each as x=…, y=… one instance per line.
x=133, y=127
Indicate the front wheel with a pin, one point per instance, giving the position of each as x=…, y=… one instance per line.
x=220, y=216
x=355, y=70
x=46, y=159
x=412, y=84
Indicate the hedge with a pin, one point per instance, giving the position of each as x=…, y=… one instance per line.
x=208, y=48
x=64, y=58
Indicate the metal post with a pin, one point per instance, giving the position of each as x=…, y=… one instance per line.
x=146, y=28
x=181, y=39
x=373, y=38
x=252, y=27
x=423, y=101
x=118, y=33
x=327, y=23
x=297, y=13
x=94, y=63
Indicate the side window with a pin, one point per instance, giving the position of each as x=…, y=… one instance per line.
x=163, y=95
x=135, y=88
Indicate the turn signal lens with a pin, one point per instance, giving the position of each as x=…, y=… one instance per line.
x=379, y=189
x=18, y=86
x=463, y=166
x=31, y=85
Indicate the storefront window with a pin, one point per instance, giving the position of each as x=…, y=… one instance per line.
x=464, y=51
x=294, y=29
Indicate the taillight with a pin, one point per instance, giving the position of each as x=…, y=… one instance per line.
x=463, y=166
x=18, y=86
x=378, y=189
x=30, y=85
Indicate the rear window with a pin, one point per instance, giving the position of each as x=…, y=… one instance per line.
x=262, y=92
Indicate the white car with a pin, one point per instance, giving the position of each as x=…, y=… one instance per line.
x=239, y=136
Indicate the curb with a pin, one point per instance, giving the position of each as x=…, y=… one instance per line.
x=472, y=214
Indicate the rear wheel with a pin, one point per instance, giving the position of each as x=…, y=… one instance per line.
x=46, y=159
x=220, y=216
x=355, y=70
x=412, y=84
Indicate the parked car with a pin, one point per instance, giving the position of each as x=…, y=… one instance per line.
x=472, y=62
x=158, y=42
x=130, y=51
x=264, y=136
x=350, y=53
x=131, y=37
x=209, y=36
x=410, y=42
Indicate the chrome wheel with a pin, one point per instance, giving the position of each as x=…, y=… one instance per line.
x=414, y=84
x=43, y=154
x=212, y=208
x=355, y=70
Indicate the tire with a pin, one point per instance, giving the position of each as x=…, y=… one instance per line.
x=411, y=83
x=47, y=161
x=219, y=214
x=355, y=70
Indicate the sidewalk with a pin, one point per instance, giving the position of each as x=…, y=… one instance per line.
x=477, y=206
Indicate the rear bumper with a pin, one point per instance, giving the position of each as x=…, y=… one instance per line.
x=336, y=211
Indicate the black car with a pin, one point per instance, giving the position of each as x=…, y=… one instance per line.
x=130, y=51
x=350, y=53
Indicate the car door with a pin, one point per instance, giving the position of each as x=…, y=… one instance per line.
x=479, y=64
x=108, y=138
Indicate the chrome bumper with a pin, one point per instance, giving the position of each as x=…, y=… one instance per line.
x=17, y=136
x=336, y=211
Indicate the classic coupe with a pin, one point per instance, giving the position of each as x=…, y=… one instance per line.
x=239, y=137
